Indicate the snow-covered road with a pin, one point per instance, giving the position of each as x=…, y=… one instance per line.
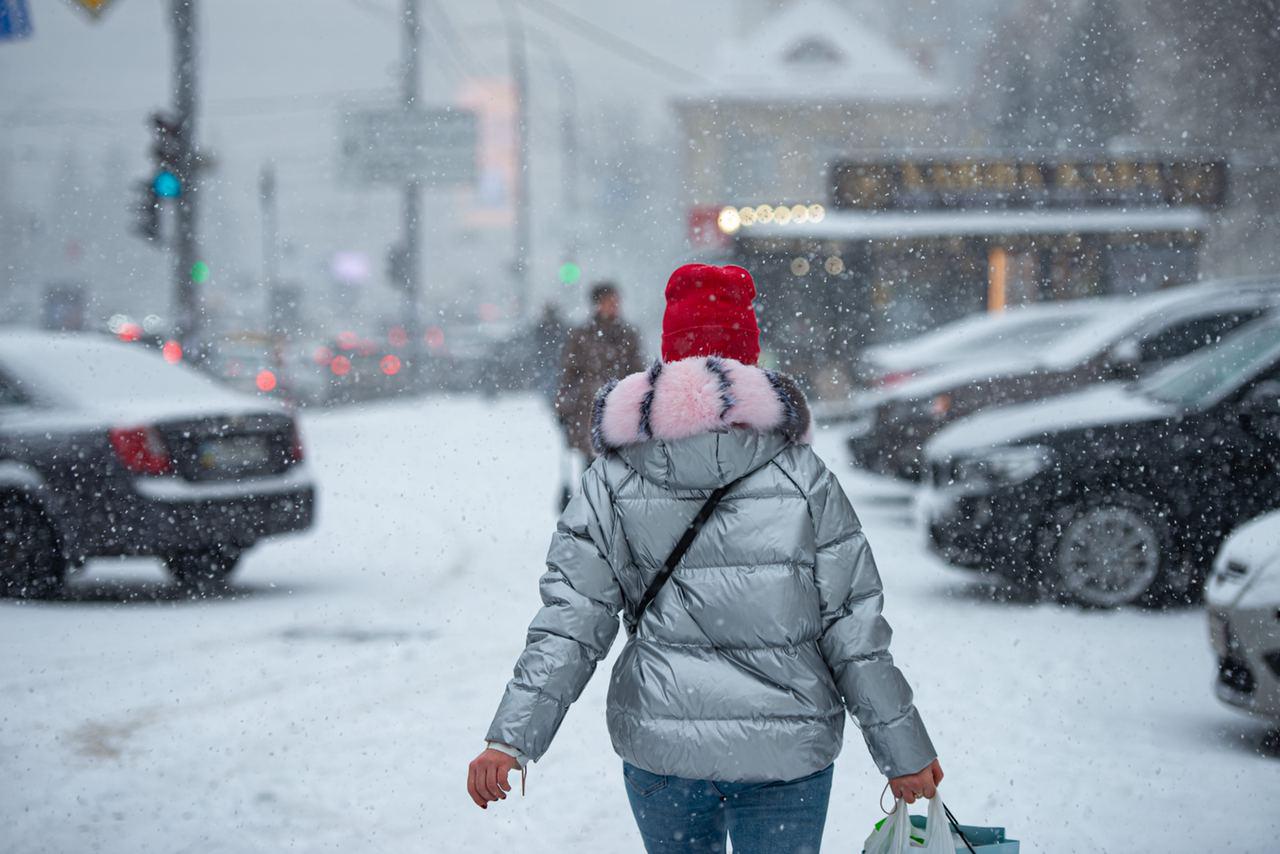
x=334, y=703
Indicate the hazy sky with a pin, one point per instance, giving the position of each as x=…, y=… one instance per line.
x=274, y=74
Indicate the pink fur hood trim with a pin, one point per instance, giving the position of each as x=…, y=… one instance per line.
x=701, y=394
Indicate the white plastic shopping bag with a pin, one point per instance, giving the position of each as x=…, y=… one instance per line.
x=896, y=835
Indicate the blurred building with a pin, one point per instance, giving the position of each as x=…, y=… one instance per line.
x=808, y=85
x=1175, y=76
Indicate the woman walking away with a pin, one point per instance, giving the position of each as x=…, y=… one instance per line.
x=727, y=703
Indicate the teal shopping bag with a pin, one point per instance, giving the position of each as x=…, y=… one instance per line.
x=985, y=840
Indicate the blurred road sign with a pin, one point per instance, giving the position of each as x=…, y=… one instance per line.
x=15, y=20
x=391, y=146
x=93, y=7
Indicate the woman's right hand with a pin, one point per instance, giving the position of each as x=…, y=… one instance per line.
x=487, y=776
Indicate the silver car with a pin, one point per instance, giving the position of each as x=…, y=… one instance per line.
x=1243, y=599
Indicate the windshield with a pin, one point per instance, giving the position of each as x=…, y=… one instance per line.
x=1207, y=377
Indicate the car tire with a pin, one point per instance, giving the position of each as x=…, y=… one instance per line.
x=1107, y=552
x=32, y=565
x=203, y=571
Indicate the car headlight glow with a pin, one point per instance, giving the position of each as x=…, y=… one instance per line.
x=1018, y=462
x=1010, y=464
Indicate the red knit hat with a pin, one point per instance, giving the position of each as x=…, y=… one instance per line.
x=709, y=313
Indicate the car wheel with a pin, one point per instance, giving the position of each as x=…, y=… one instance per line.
x=32, y=565
x=204, y=571
x=1108, y=553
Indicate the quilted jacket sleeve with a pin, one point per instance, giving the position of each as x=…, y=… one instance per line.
x=574, y=628
x=855, y=641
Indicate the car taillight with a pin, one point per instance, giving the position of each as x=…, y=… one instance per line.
x=141, y=450
x=295, y=445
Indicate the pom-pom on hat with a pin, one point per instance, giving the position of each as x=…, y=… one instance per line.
x=709, y=313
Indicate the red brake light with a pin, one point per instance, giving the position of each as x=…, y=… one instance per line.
x=895, y=377
x=141, y=450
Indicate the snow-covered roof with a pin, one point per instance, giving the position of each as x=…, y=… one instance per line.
x=815, y=51
x=882, y=225
x=89, y=372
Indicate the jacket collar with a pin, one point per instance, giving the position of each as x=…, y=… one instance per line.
x=694, y=396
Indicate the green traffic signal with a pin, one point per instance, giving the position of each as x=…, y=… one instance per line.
x=570, y=273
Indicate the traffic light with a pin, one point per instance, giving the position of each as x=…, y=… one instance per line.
x=168, y=151
x=171, y=161
x=146, y=212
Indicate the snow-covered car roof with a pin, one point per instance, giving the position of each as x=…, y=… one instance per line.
x=1016, y=328
x=947, y=378
x=1102, y=332
x=97, y=373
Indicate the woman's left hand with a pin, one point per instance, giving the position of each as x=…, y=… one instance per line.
x=922, y=784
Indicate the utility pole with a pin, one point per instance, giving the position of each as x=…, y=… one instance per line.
x=189, y=317
x=412, y=249
x=520, y=77
x=270, y=241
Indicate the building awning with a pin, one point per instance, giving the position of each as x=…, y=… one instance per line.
x=890, y=225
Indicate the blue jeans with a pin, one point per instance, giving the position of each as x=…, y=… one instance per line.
x=680, y=816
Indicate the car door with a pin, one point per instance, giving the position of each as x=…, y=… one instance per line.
x=1237, y=465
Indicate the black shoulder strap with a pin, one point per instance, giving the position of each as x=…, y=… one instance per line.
x=673, y=559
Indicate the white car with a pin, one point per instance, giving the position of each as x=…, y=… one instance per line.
x=998, y=336
x=1243, y=599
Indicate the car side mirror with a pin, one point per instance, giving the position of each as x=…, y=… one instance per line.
x=1123, y=357
x=1260, y=408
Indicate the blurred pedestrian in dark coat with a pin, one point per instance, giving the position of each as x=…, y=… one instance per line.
x=602, y=349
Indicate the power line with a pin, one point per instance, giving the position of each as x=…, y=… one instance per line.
x=248, y=105
x=459, y=52
x=621, y=47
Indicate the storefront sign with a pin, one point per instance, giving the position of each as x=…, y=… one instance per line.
x=992, y=183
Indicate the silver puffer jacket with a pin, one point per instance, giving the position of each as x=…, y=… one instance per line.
x=743, y=666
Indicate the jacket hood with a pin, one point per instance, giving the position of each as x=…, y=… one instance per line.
x=699, y=422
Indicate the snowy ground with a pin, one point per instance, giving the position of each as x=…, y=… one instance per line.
x=334, y=703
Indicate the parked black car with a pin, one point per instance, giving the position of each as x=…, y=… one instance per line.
x=1134, y=338
x=106, y=449
x=1118, y=493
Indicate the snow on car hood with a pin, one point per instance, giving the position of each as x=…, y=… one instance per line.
x=1255, y=548
x=937, y=380
x=1108, y=403
x=1255, y=542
